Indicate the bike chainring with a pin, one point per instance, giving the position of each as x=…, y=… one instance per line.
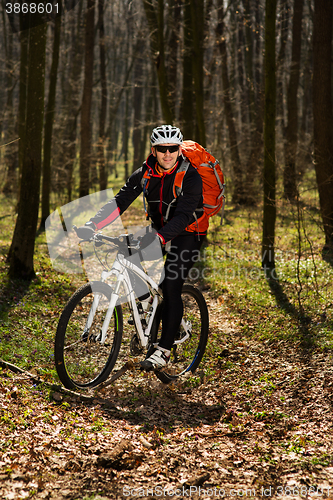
x=135, y=347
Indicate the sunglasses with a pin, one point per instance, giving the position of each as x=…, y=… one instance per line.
x=164, y=149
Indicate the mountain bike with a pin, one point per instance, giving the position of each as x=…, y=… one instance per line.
x=90, y=329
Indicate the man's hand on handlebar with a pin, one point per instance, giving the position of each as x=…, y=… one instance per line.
x=148, y=239
x=85, y=232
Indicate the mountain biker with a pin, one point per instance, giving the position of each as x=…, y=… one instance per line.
x=173, y=219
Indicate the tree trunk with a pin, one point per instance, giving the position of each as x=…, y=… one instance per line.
x=71, y=97
x=256, y=106
x=137, y=106
x=198, y=19
x=22, y=111
x=249, y=61
x=289, y=174
x=9, y=121
x=22, y=247
x=174, y=13
x=233, y=144
x=269, y=215
x=103, y=178
x=49, y=118
x=187, y=115
x=126, y=134
x=156, y=28
x=280, y=67
x=85, y=149
x=241, y=76
x=322, y=114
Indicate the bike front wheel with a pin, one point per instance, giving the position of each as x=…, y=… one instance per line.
x=190, y=340
x=81, y=360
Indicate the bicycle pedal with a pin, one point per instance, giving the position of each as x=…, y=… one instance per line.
x=130, y=320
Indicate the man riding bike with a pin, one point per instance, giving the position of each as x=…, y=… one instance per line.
x=174, y=219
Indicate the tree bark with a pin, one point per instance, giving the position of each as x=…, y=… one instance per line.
x=289, y=174
x=85, y=148
x=22, y=247
x=322, y=114
x=49, y=118
x=269, y=215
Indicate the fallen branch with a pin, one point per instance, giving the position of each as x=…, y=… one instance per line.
x=38, y=380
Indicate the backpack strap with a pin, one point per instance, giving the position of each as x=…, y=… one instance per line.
x=179, y=177
x=177, y=186
x=144, y=184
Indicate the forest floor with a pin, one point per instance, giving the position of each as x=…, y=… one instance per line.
x=262, y=428
x=255, y=420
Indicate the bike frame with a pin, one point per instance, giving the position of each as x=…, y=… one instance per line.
x=119, y=269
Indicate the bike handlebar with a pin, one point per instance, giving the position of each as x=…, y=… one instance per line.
x=122, y=241
x=126, y=240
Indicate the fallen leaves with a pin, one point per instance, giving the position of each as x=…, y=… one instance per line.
x=259, y=416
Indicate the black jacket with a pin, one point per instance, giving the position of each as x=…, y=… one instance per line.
x=159, y=194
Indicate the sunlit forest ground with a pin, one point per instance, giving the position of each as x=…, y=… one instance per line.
x=256, y=414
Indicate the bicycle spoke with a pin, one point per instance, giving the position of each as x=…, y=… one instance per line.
x=81, y=360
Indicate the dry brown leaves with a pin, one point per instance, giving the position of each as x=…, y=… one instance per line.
x=259, y=422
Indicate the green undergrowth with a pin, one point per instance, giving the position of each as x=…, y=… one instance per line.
x=294, y=303
x=29, y=311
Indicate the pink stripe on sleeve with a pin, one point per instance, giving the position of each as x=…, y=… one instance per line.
x=112, y=217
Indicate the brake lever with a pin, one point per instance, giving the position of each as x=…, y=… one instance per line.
x=97, y=240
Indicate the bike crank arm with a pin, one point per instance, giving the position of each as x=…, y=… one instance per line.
x=187, y=328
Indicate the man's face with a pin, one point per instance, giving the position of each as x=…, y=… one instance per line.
x=166, y=159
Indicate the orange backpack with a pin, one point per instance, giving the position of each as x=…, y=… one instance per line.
x=211, y=175
x=212, y=183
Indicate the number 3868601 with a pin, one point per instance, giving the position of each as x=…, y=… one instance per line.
x=32, y=8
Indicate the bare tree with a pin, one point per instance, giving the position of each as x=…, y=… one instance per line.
x=187, y=114
x=269, y=215
x=238, y=192
x=155, y=19
x=291, y=140
x=103, y=178
x=49, y=119
x=85, y=149
x=198, y=20
x=322, y=113
x=22, y=248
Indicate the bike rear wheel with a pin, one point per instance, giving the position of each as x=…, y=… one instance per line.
x=190, y=345
x=81, y=360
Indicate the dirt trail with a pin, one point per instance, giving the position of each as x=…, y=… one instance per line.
x=258, y=423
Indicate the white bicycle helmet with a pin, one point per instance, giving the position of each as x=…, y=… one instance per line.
x=166, y=134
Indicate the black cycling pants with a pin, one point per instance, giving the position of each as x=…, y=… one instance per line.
x=183, y=254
